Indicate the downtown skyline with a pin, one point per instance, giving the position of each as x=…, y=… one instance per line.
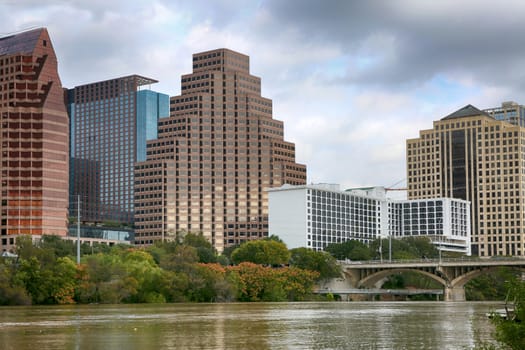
x=349, y=84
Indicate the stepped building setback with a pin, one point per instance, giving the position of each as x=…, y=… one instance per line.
x=214, y=158
x=472, y=156
x=34, y=139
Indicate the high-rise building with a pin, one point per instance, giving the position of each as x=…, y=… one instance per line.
x=510, y=112
x=472, y=156
x=34, y=139
x=215, y=156
x=315, y=216
x=110, y=123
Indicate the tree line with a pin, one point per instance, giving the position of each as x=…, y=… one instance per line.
x=186, y=269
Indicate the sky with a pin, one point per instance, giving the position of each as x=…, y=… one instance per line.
x=351, y=80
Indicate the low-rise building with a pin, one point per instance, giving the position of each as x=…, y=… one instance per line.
x=314, y=216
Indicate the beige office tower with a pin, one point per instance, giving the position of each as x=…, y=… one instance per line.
x=214, y=158
x=470, y=155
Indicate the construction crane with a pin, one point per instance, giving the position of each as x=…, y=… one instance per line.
x=391, y=187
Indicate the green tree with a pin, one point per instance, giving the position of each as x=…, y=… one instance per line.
x=511, y=332
x=351, y=249
x=227, y=252
x=209, y=283
x=104, y=279
x=141, y=266
x=58, y=246
x=204, y=248
x=12, y=292
x=422, y=247
x=181, y=260
x=264, y=252
x=404, y=249
x=273, y=238
x=490, y=286
x=322, y=262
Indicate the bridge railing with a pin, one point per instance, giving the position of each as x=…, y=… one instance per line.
x=433, y=260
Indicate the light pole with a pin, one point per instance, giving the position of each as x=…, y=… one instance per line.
x=381, y=249
x=390, y=248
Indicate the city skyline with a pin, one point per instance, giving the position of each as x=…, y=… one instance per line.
x=346, y=80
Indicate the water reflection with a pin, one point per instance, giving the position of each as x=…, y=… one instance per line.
x=353, y=325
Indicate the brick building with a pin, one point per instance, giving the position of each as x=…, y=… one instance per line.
x=34, y=139
x=214, y=157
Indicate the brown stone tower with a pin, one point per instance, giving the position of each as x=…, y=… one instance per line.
x=34, y=139
x=214, y=158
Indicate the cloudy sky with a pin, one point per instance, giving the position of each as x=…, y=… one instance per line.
x=352, y=80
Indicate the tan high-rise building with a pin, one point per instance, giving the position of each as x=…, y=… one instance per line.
x=470, y=155
x=214, y=158
x=34, y=139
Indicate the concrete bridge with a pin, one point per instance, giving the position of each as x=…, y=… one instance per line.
x=452, y=274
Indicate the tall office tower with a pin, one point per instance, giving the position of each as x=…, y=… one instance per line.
x=510, y=112
x=34, y=139
x=110, y=123
x=470, y=155
x=216, y=155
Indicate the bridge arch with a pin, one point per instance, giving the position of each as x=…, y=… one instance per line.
x=463, y=279
x=371, y=280
x=451, y=274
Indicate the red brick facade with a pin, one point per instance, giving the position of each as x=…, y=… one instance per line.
x=34, y=139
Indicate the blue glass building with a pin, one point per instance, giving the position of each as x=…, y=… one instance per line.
x=110, y=123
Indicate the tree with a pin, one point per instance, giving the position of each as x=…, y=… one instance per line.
x=264, y=252
x=104, y=279
x=60, y=247
x=511, y=332
x=406, y=248
x=351, y=249
x=273, y=238
x=181, y=260
x=490, y=286
x=322, y=262
x=227, y=252
x=422, y=247
x=12, y=292
x=263, y=283
x=204, y=248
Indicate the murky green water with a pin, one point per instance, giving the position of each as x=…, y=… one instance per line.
x=338, y=325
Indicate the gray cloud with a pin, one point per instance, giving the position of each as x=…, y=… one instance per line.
x=350, y=79
x=481, y=39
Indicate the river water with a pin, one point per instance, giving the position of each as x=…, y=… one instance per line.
x=336, y=325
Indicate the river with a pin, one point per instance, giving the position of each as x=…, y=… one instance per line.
x=336, y=325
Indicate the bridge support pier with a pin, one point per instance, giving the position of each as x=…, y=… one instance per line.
x=454, y=294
